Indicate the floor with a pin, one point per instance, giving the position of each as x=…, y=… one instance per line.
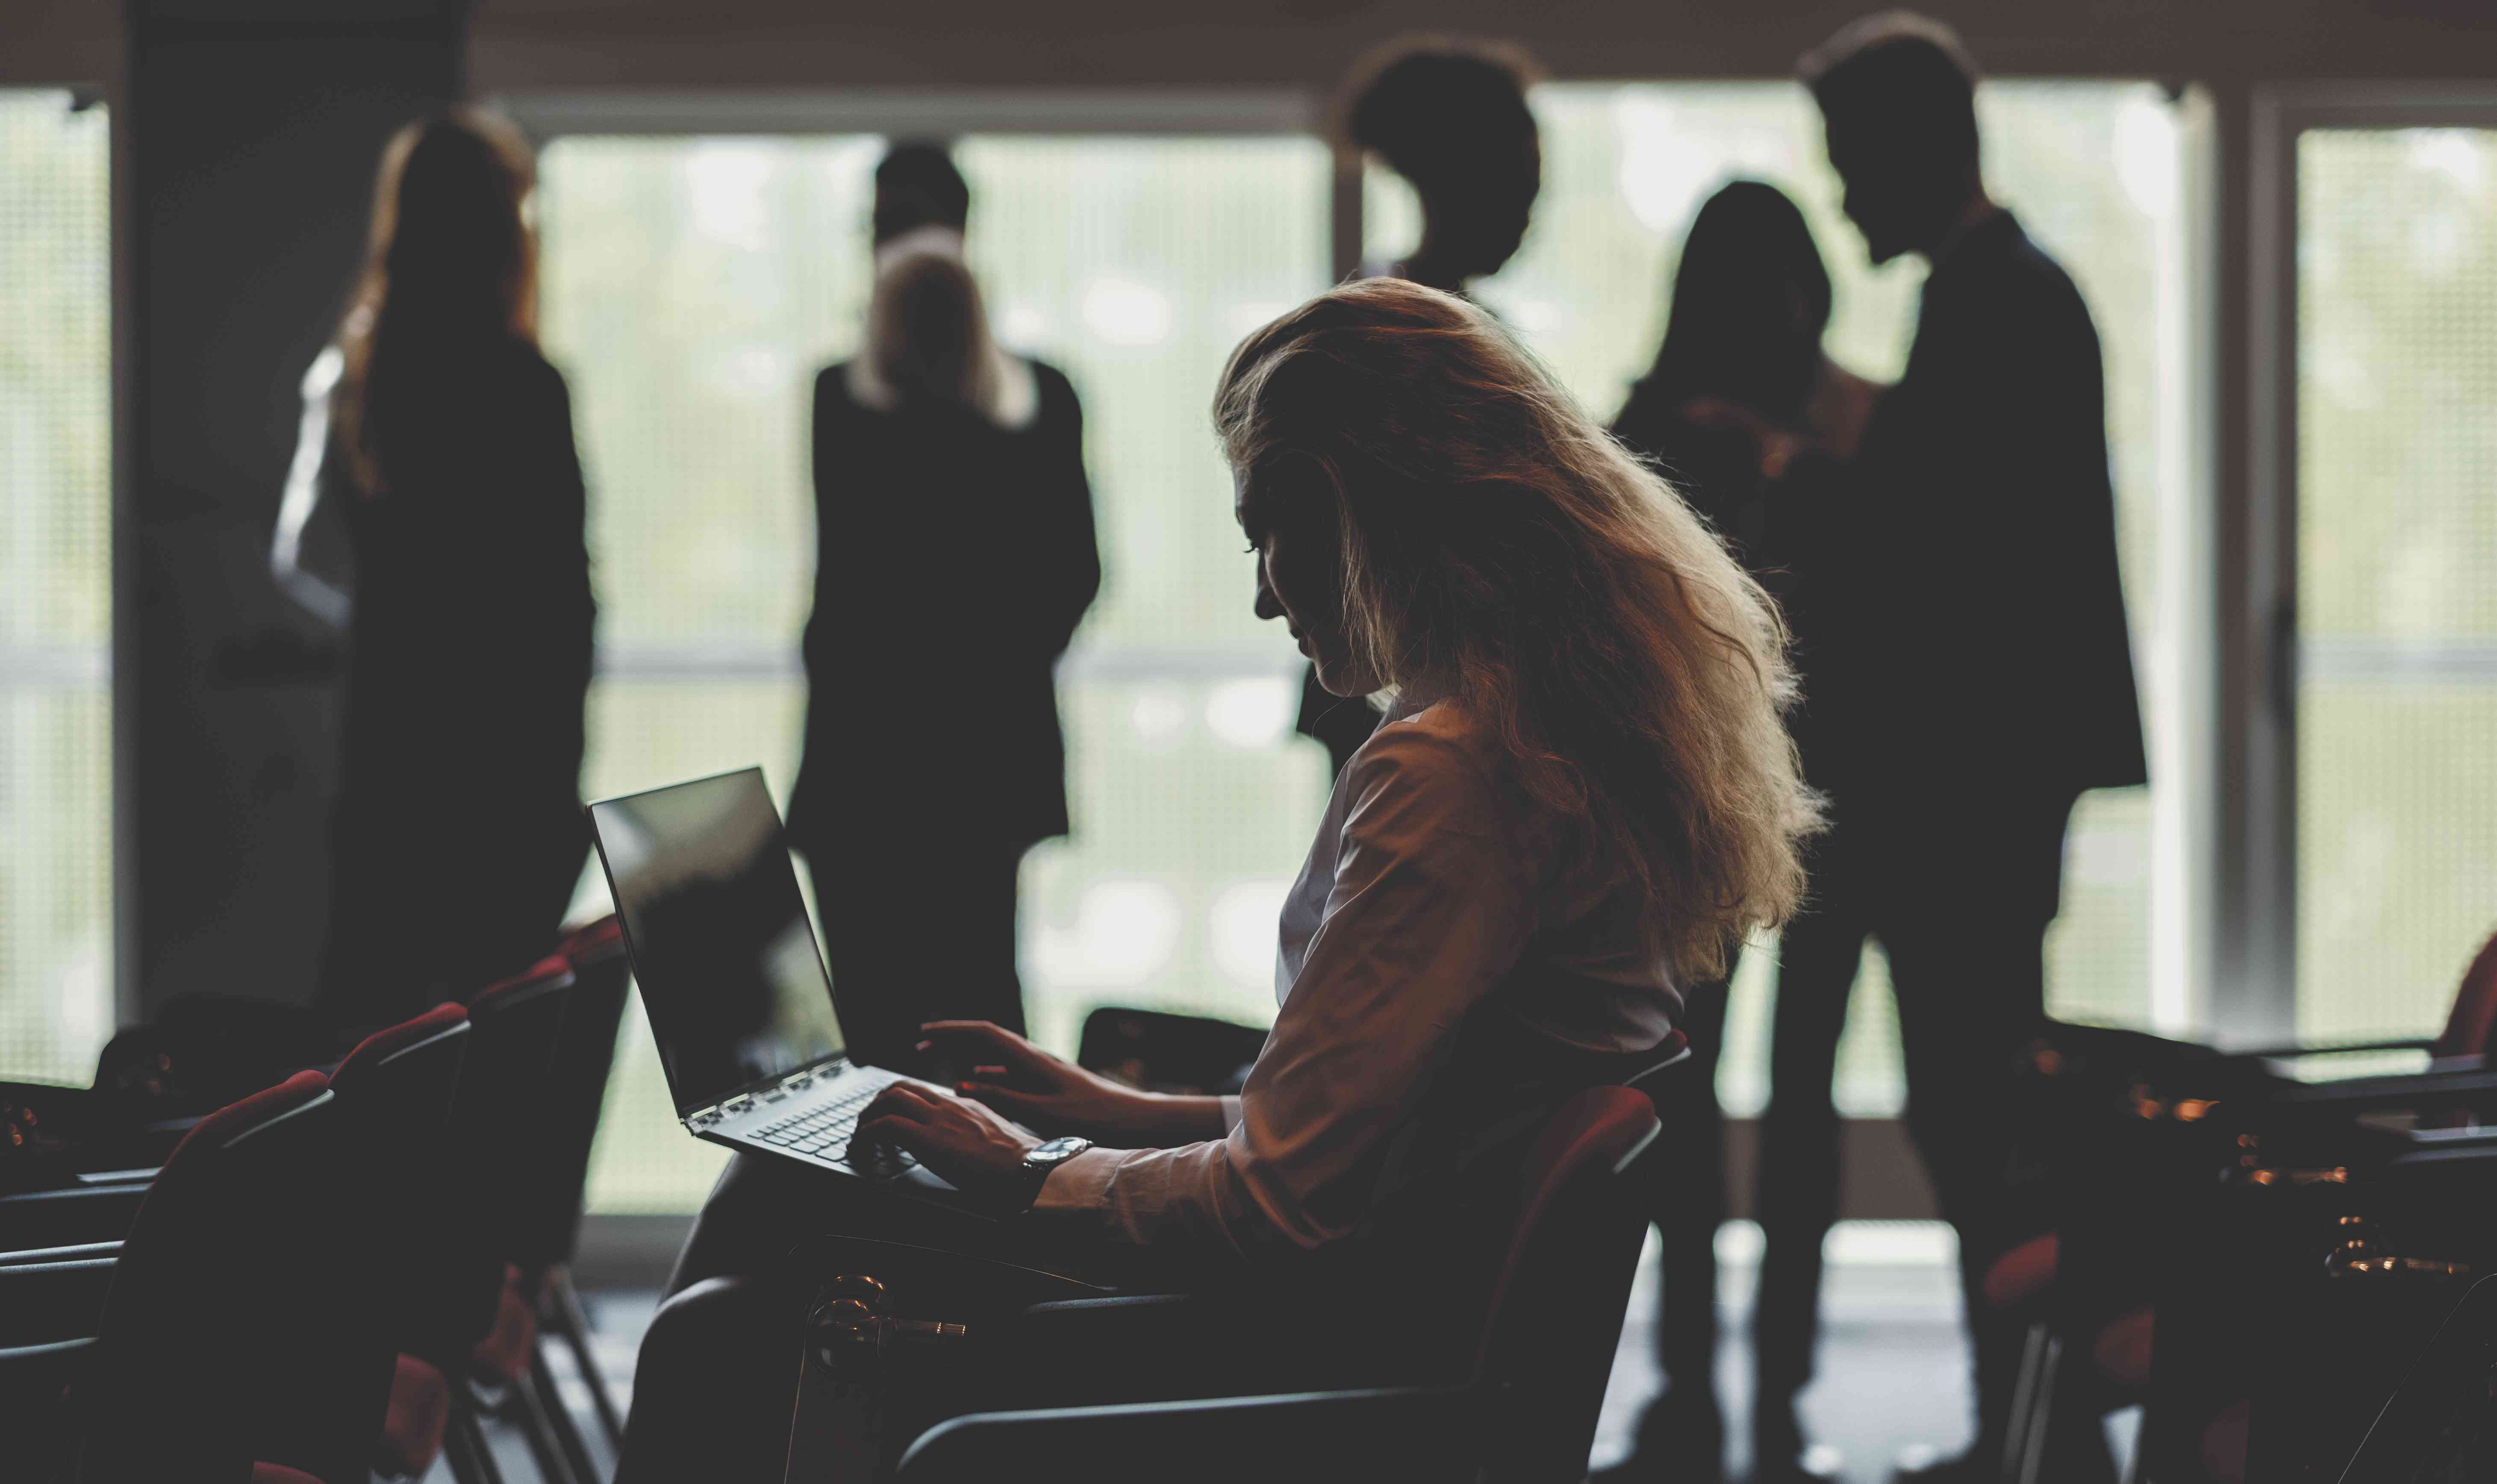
x=1892, y=1375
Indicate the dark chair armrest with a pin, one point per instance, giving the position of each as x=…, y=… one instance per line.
x=80, y=1252
x=1406, y=1433
x=45, y=1302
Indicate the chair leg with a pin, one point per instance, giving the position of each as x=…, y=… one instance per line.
x=565, y=1315
x=2042, y=1408
x=529, y=1410
x=463, y=1443
x=2025, y=1406
x=559, y=1419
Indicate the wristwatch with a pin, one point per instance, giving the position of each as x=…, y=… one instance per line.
x=1043, y=1157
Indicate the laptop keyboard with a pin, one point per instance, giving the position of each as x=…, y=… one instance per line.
x=826, y=1130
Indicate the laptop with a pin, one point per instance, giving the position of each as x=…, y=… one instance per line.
x=732, y=983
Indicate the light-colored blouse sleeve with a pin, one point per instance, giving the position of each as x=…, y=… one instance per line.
x=1429, y=911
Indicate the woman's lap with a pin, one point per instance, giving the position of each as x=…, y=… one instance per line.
x=787, y=1231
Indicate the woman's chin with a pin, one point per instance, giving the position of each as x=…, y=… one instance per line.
x=1344, y=680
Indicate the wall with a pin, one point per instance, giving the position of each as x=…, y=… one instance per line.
x=250, y=131
x=1304, y=42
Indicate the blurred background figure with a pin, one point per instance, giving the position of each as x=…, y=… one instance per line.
x=1986, y=546
x=458, y=839
x=1450, y=116
x=956, y=558
x=1750, y=303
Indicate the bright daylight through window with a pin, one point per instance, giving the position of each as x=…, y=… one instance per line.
x=693, y=285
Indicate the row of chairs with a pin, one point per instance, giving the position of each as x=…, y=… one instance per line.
x=2254, y=1251
x=342, y=1273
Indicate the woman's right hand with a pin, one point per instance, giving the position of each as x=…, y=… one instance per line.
x=1055, y=1097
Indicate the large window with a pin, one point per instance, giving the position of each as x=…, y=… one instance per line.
x=55, y=588
x=692, y=287
x=694, y=283
x=2397, y=700
x=2093, y=170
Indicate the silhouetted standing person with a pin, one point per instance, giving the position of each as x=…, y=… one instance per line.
x=458, y=837
x=1986, y=547
x=1751, y=303
x=1451, y=118
x=956, y=558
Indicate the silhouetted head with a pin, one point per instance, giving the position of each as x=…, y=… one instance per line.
x=916, y=185
x=1751, y=301
x=451, y=270
x=928, y=333
x=1451, y=118
x=1898, y=96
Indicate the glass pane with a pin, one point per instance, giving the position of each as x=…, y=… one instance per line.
x=692, y=288
x=2092, y=167
x=1135, y=265
x=55, y=588
x=2397, y=573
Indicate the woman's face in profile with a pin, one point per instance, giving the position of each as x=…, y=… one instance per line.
x=1289, y=517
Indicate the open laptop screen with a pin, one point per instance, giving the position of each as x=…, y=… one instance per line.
x=726, y=961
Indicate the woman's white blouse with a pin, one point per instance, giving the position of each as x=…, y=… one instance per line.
x=1429, y=891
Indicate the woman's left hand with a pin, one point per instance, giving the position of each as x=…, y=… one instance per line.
x=967, y=1144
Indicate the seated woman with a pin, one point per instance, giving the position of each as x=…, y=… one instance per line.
x=1581, y=796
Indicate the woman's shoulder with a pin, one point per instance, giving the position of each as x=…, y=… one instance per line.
x=1438, y=752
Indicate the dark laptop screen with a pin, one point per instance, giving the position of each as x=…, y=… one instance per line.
x=721, y=947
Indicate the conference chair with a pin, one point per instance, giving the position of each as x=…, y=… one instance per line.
x=49, y=1299
x=475, y=1324
x=223, y=1277
x=397, y=1087
x=1527, y=1413
x=2134, y=1132
x=2439, y=1423
x=547, y=1213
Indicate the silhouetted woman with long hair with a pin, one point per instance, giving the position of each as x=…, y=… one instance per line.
x=1742, y=353
x=457, y=837
x=956, y=558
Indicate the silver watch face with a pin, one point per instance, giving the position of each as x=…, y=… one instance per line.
x=1055, y=1150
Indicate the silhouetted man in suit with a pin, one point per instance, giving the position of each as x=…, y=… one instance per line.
x=1988, y=682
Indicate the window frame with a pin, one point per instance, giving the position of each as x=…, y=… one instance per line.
x=2262, y=650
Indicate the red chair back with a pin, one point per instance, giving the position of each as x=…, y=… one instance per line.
x=1556, y=1312
x=2474, y=1008
x=490, y=1141
x=547, y=1216
x=219, y=1279
x=397, y=1090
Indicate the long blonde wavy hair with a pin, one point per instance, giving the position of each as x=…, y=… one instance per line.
x=1501, y=547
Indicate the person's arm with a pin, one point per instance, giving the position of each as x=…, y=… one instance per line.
x=1065, y=556
x=1429, y=911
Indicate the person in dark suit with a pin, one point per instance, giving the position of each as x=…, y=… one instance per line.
x=1991, y=682
x=458, y=839
x=956, y=558
x=1750, y=306
x=1451, y=118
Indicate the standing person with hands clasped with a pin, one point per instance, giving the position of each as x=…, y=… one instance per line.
x=1581, y=795
x=957, y=557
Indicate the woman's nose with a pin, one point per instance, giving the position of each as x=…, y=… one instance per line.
x=1268, y=605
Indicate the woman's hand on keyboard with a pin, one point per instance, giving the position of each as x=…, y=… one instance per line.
x=1055, y=1096
x=975, y=1149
